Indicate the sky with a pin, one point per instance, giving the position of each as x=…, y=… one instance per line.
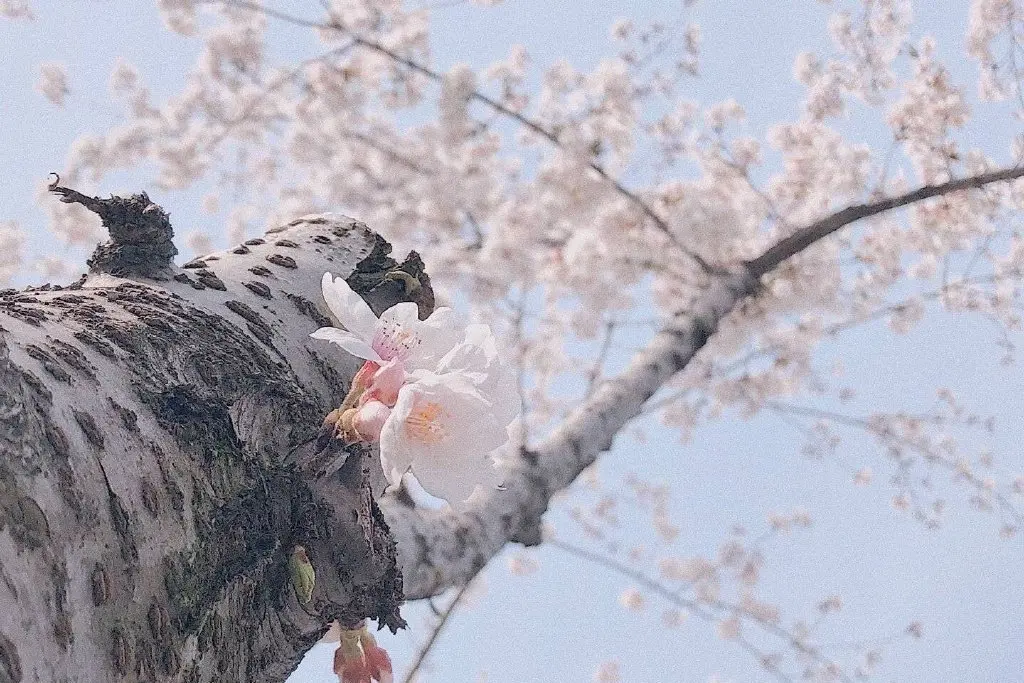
x=962, y=582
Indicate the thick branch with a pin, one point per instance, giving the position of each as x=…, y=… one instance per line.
x=140, y=241
x=441, y=549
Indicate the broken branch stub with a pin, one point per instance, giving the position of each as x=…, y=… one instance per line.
x=141, y=238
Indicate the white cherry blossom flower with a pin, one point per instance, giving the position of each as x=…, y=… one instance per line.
x=476, y=358
x=446, y=424
x=398, y=334
x=444, y=429
x=53, y=82
x=437, y=407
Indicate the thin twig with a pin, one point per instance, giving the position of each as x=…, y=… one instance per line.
x=519, y=344
x=551, y=137
x=438, y=627
x=700, y=611
x=596, y=369
x=267, y=89
x=273, y=13
x=888, y=435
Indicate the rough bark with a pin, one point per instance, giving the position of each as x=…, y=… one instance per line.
x=159, y=457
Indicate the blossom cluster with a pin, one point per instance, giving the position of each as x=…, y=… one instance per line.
x=509, y=211
x=436, y=397
x=15, y=9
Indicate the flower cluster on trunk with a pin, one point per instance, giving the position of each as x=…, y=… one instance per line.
x=433, y=393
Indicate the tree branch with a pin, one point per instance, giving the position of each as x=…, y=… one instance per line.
x=140, y=241
x=818, y=230
x=442, y=621
x=706, y=611
x=441, y=549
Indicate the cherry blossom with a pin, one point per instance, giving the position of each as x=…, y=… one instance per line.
x=447, y=423
x=555, y=213
x=16, y=9
x=444, y=429
x=398, y=335
x=53, y=82
x=442, y=423
x=632, y=599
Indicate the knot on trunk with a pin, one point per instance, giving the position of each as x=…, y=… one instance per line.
x=141, y=236
x=382, y=281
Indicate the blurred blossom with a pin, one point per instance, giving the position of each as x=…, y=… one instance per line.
x=199, y=242
x=53, y=82
x=632, y=600
x=608, y=672
x=12, y=243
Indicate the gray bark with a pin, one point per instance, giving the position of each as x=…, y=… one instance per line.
x=161, y=452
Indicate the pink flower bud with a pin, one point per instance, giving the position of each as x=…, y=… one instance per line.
x=364, y=377
x=377, y=659
x=369, y=420
x=359, y=659
x=387, y=380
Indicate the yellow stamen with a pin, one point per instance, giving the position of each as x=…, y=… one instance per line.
x=424, y=423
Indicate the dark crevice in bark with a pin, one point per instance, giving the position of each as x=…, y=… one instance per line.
x=237, y=536
x=62, y=622
x=10, y=662
x=122, y=524
x=381, y=280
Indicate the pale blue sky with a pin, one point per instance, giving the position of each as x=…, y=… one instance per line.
x=961, y=581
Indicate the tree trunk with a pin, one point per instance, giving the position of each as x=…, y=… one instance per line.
x=161, y=453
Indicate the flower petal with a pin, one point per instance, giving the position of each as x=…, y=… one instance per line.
x=419, y=343
x=476, y=353
x=387, y=382
x=442, y=427
x=348, y=307
x=477, y=360
x=396, y=335
x=454, y=484
x=438, y=335
x=405, y=314
x=395, y=458
x=348, y=341
x=370, y=419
